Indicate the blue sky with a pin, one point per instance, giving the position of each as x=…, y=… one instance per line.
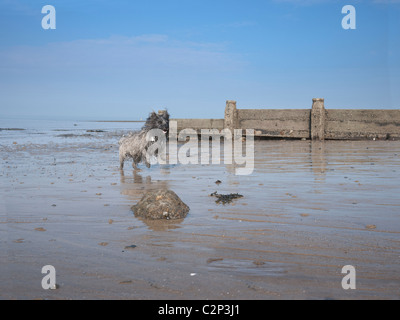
x=122, y=59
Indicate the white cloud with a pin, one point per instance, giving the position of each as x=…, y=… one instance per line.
x=116, y=75
x=144, y=51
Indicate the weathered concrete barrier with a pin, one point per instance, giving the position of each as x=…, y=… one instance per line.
x=362, y=124
x=318, y=118
x=316, y=123
x=276, y=123
x=198, y=124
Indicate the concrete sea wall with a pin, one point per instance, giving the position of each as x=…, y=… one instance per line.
x=316, y=123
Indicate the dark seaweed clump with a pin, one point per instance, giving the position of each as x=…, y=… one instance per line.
x=225, y=198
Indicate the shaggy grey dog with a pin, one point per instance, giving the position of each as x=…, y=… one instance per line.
x=135, y=144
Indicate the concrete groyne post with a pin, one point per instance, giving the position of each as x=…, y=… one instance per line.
x=318, y=120
x=231, y=115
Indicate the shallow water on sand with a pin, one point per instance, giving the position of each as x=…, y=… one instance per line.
x=308, y=209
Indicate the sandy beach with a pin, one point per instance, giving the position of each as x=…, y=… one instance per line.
x=308, y=209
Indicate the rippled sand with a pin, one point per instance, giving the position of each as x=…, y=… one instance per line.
x=308, y=210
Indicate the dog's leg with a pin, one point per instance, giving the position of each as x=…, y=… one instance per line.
x=144, y=157
x=121, y=162
x=134, y=166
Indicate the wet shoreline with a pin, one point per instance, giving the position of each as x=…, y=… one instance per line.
x=307, y=210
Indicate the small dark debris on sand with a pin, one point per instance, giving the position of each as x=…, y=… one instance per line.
x=218, y=182
x=130, y=247
x=225, y=198
x=126, y=282
x=211, y=260
x=11, y=129
x=71, y=135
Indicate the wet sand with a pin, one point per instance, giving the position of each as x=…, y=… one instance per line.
x=307, y=210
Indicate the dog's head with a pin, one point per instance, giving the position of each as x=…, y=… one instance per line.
x=158, y=120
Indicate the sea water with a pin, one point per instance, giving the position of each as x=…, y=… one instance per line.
x=34, y=131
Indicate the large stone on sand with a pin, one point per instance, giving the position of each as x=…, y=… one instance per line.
x=161, y=204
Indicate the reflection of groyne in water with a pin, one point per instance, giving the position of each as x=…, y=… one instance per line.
x=319, y=162
x=316, y=123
